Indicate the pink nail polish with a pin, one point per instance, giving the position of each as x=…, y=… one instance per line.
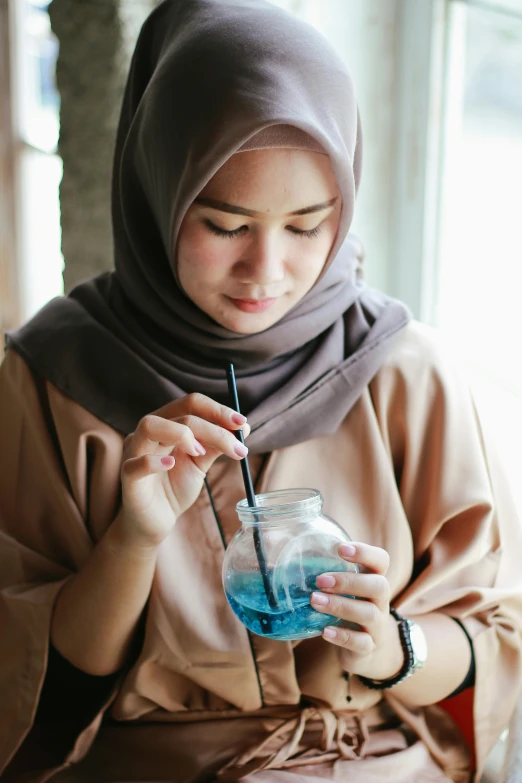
x=330, y=633
x=347, y=550
x=320, y=599
x=199, y=447
x=325, y=580
x=168, y=461
x=238, y=418
x=240, y=450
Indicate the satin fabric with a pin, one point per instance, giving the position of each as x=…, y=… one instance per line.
x=410, y=469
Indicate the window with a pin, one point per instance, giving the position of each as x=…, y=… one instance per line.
x=36, y=123
x=479, y=292
x=439, y=83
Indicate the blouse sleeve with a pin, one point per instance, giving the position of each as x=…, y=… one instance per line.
x=59, y=491
x=467, y=534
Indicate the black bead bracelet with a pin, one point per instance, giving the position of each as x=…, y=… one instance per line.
x=405, y=670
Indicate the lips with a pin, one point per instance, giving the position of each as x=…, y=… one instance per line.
x=253, y=305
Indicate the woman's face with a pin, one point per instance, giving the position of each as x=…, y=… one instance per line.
x=257, y=237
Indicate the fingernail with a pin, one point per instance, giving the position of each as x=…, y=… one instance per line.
x=319, y=598
x=347, y=550
x=240, y=450
x=238, y=418
x=169, y=461
x=199, y=447
x=325, y=580
x=330, y=633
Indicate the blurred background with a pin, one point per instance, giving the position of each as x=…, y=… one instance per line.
x=439, y=84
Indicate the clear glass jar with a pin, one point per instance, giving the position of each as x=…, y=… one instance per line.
x=272, y=562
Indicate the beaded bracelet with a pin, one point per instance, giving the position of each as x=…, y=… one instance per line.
x=409, y=660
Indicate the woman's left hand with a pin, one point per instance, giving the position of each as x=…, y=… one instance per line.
x=375, y=650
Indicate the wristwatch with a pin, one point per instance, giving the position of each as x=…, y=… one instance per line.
x=415, y=648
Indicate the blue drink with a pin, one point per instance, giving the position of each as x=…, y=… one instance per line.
x=294, y=618
x=269, y=570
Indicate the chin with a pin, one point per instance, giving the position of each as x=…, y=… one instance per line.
x=243, y=323
x=248, y=325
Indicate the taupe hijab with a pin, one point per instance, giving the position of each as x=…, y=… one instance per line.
x=206, y=76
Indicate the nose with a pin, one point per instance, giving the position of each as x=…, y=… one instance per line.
x=262, y=262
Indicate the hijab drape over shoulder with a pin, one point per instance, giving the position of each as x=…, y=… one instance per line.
x=207, y=76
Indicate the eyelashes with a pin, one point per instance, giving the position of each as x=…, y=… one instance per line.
x=307, y=234
x=219, y=232
x=313, y=232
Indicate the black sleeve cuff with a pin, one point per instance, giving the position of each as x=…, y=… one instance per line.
x=69, y=692
x=469, y=679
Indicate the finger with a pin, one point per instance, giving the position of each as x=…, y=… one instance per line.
x=215, y=438
x=205, y=408
x=373, y=587
x=154, y=432
x=127, y=445
x=373, y=558
x=139, y=467
x=365, y=613
x=357, y=642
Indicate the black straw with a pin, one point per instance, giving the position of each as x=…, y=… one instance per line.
x=245, y=468
x=251, y=497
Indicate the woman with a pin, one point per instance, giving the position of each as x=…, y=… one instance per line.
x=236, y=167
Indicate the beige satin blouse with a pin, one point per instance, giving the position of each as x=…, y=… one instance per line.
x=410, y=470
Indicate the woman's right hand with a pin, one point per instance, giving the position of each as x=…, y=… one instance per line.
x=165, y=462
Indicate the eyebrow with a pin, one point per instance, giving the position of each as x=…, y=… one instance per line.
x=222, y=206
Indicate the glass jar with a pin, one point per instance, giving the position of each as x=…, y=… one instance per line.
x=272, y=562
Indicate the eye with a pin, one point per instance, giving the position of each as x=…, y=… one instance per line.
x=220, y=232
x=306, y=234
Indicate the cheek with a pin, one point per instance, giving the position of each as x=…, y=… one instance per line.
x=201, y=258
x=310, y=259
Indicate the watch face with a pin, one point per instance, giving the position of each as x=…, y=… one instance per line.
x=418, y=643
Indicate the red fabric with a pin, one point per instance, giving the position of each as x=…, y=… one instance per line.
x=460, y=707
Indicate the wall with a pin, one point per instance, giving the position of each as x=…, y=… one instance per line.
x=96, y=41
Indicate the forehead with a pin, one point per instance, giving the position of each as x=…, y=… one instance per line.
x=274, y=180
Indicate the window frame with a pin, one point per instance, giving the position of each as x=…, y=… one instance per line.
x=10, y=283
x=426, y=36
x=422, y=40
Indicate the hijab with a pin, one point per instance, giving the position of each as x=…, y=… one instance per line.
x=207, y=78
